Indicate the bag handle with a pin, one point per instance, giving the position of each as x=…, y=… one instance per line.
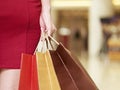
x=50, y=45
x=45, y=42
x=51, y=38
x=41, y=47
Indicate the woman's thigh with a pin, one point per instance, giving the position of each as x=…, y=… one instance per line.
x=9, y=79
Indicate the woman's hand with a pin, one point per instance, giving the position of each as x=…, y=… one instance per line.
x=46, y=22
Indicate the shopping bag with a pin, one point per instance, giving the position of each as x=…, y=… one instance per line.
x=28, y=73
x=63, y=75
x=46, y=73
x=78, y=74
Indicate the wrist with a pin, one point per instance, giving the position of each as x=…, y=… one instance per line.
x=46, y=9
x=46, y=5
x=45, y=12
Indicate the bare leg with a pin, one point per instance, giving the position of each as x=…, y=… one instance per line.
x=9, y=79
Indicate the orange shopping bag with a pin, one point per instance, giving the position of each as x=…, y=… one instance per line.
x=28, y=74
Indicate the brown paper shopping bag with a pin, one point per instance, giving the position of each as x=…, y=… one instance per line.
x=46, y=73
x=77, y=71
x=74, y=68
x=65, y=79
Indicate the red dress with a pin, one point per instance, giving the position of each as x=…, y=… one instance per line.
x=19, y=30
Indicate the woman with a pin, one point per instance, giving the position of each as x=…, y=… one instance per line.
x=21, y=22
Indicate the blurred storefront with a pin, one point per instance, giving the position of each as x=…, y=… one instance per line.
x=80, y=17
x=73, y=17
x=91, y=28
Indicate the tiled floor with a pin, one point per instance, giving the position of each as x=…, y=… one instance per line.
x=104, y=72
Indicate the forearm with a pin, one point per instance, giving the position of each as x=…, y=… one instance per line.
x=45, y=18
x=46, y=5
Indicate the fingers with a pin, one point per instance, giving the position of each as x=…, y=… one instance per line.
x=54, y=29
x=50, y=31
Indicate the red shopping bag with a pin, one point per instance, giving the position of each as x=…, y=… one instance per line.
x=28, y=74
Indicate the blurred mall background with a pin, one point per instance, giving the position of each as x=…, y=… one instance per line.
x=91, y=30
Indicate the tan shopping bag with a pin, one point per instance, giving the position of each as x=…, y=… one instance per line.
x=46, y=74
